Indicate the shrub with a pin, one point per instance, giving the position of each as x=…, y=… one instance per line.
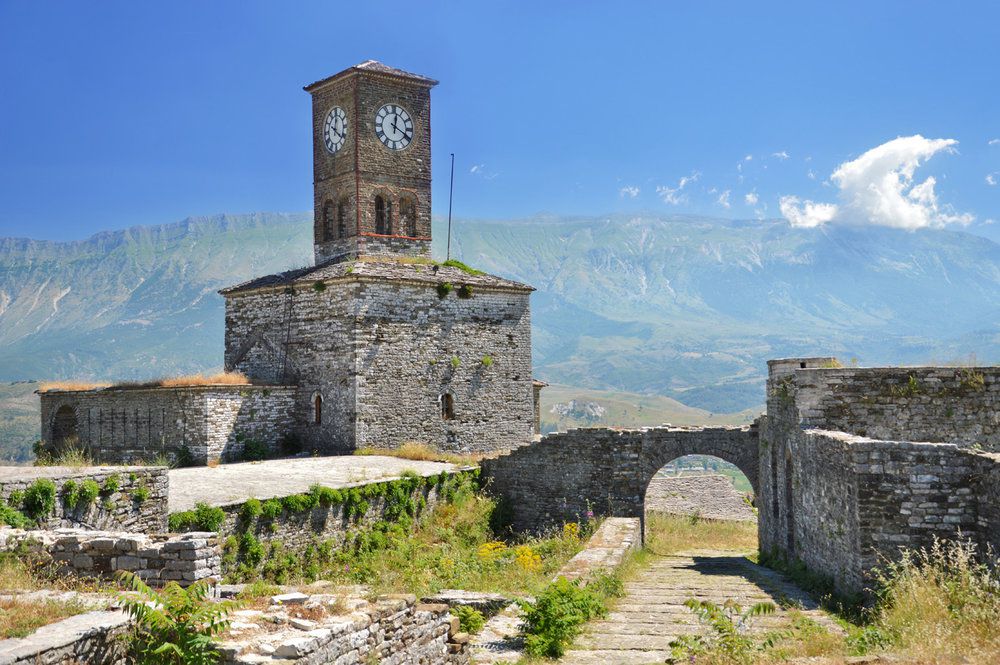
x=271, y=509
x=12, y=516
x=443, y=289
x=465, y=291
x=255, y=450
x=319, y=286
x=326, y=496
x=298, y=503
x=203, y=518
x=39, y=499
x=71, y=494
x=89, y=489
x=184, y=457
x=251, y=550
x=470, y=620
x=175, y=625
x=111, y=484
x=250, y=510
x=556, y=615
x=454, y=263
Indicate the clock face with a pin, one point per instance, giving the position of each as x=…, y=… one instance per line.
x=394, y=126
x=335, y=129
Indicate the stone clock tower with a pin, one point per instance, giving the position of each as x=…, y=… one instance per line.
x=371, y=163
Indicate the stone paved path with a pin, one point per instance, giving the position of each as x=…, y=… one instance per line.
x=642, y=625
x=232, y=483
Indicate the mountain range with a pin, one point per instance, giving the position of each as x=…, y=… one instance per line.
x=682, y=308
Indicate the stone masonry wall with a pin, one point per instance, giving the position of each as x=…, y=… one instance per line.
x=156, y=559
x=128, y=425
x=91, y=637
x=708, y=496
x=565, y=475
x=959, y=405
x=378, y=353
x=123, y=508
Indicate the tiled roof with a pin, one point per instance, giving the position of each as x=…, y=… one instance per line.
x=371, y=268
x=375, y=67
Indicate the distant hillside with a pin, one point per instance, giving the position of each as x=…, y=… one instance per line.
x=660, y=307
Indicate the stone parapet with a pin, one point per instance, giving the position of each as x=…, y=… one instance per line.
x=92, y=637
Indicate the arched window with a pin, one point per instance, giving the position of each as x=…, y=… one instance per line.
x=408, y=217
x=447, y=406
x=379, y=215
x=342, y=218
x=317, y=408
x=327, y=232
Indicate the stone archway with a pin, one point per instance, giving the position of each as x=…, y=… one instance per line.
x=65, y=434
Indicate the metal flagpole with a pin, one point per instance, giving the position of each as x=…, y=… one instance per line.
x=451, y=192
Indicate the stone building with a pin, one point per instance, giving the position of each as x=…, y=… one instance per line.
x=374, y=345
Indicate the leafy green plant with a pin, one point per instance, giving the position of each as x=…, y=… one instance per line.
x=443, y=289
x=12, y=516
x=456, y=362
x=255, y=450
x=730, y=635
x=140, y=493
x=203, y=518
x=556, y=616
x=89, y=489
x=39, y=499
x=470, y=620
x=319, y=286
x=175, y=626
x=465, y=291
x=454, y=263
x=71, y=494
x=271, y=509
x=910, y=389
x=487, y=361
x=251, y=510
x=111, y=484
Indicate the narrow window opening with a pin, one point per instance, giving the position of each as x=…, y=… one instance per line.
x=342, y=218
x=318, y=409
x=379, y=215
x=802, y=365
x=447, y=406
x=327, y=231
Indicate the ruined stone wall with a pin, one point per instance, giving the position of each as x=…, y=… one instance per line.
x=566, y=475
x=414, y=346
x=710, y=496
x=156, y=559
x=91, y=637
x=120, y=426
x=139, y=502
x=959, y=405
x=987, y=493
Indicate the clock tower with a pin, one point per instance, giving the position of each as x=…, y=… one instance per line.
x=371, y=163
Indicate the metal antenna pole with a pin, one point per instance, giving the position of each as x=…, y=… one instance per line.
x=451, y=193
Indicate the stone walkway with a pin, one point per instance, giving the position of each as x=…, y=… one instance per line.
x=642, y=625
x=233, y=483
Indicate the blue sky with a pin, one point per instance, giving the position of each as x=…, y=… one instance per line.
x=123, y=113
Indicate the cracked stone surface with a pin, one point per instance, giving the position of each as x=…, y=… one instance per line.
x=235, y=483
x=652, y=614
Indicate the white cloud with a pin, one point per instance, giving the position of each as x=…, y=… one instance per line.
x=478, y=168
x=630, y=191
x=481, y=171
x=993, y=142
x=748, y=158
x=751, y=198
x=675, y=195
x=783, y=155
x=724, y=199
x=991, y=178
x=878, y=189
x=806, y=213
x=811, y=175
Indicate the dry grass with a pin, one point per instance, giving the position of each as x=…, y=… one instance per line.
x=669, y=534
x=70, y=385
x=20, y=617
x=221, y=378
x=421, y=452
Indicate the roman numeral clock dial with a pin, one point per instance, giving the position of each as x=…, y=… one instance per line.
x=335, y=129
x=394, y=126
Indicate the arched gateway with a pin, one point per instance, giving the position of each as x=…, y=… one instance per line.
x=565, y=476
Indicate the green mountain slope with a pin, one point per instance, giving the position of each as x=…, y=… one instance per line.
x=677, y=307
